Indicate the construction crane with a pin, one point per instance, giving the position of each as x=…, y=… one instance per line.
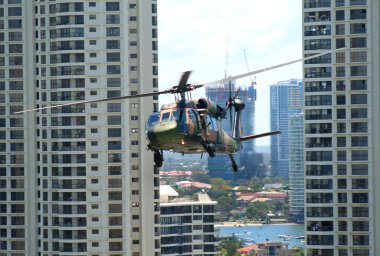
x=253, y=81
x=246, y=62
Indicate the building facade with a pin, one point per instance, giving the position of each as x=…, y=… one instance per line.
x=285, y=102
x=341, y=127
x=296, y=168
x=187, y=226
x=77, y=180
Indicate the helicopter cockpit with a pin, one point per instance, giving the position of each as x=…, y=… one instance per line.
x=182, y=116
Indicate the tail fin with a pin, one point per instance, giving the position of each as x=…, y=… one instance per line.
x=255, y=136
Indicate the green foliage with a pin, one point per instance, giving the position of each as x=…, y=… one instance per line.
x=188, y=192
x=259, y=210
x=230, y=245
x=200, y=177
x=300, y=251
x=256, y=184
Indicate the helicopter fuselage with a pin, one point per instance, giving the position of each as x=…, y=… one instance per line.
x=185, y=127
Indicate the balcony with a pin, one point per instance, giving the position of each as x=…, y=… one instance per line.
x=317, y=4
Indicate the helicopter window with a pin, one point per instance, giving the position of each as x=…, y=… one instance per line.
x=179, y=115
x=152, y=120
x=165, y=117
x=212, y=123
x=192, y=117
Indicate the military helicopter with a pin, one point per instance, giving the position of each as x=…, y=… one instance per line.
x=193, y=126
x=190, y=126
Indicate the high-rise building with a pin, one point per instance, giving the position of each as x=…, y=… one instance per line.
x=285, y=102
x=342, y=127
x=296, y=167
x=77, y=180
x=250, y=163
x=187, y=225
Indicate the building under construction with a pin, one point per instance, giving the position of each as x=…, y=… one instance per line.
x=250, y=163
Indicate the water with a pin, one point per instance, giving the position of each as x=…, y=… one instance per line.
x=261, y=233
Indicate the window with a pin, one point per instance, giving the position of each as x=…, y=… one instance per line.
x=113, y=44
x=358, y=98
x=114, y=132
x=113, y=19
x=112, y=6
x=358, y=70
x=339, y=15
x=340, y=71
x=114, y=120
x=358, y=113
x=113, y=57
x=358, y=56
x=114, y=145
x=14, y=11
x=359, y=127
x=113, y=82
x=113, y=69
x=358, y=42
x=113, y=31
x=114, y=107
x=358, y=85
x=92, y=4
x=92, y=42
x=339, y=30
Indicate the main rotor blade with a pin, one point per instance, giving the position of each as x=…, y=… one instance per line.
x=230, y=78
x=255, y=136
x=183, y=81
x=94, y=101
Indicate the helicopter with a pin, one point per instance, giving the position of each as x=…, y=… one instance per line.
x=192, y=126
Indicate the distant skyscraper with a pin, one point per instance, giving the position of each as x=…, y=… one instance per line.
x=296, y=167
x=285, y=102
x=342, y=124
x=77, y=180
x=248, y=160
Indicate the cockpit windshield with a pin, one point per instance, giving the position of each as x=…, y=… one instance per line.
x=152, y=120
x=179, y=115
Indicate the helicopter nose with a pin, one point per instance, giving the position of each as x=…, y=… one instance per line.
x=165, y=133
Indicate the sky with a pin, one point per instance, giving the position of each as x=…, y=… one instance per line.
x=209, y=37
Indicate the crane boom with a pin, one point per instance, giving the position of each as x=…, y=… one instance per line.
x=246, y=62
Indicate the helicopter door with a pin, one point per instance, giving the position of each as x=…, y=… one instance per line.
x=212, y=130
x=192, y=122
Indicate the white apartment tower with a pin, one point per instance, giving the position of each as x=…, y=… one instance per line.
x=342, y=122
x=187, y=225
x=77, y=180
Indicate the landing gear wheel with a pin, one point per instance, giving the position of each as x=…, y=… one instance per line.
x=158, y=158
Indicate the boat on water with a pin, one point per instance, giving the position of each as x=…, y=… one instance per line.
x=248, y=241
x=300, y=237
x=285, y=237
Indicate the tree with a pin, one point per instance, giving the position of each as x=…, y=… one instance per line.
x=256, y=184
x=300, y=251
x=258, y=210
x=219, y=187
x=200, y=177
x=224, y=204
x=231, y=245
